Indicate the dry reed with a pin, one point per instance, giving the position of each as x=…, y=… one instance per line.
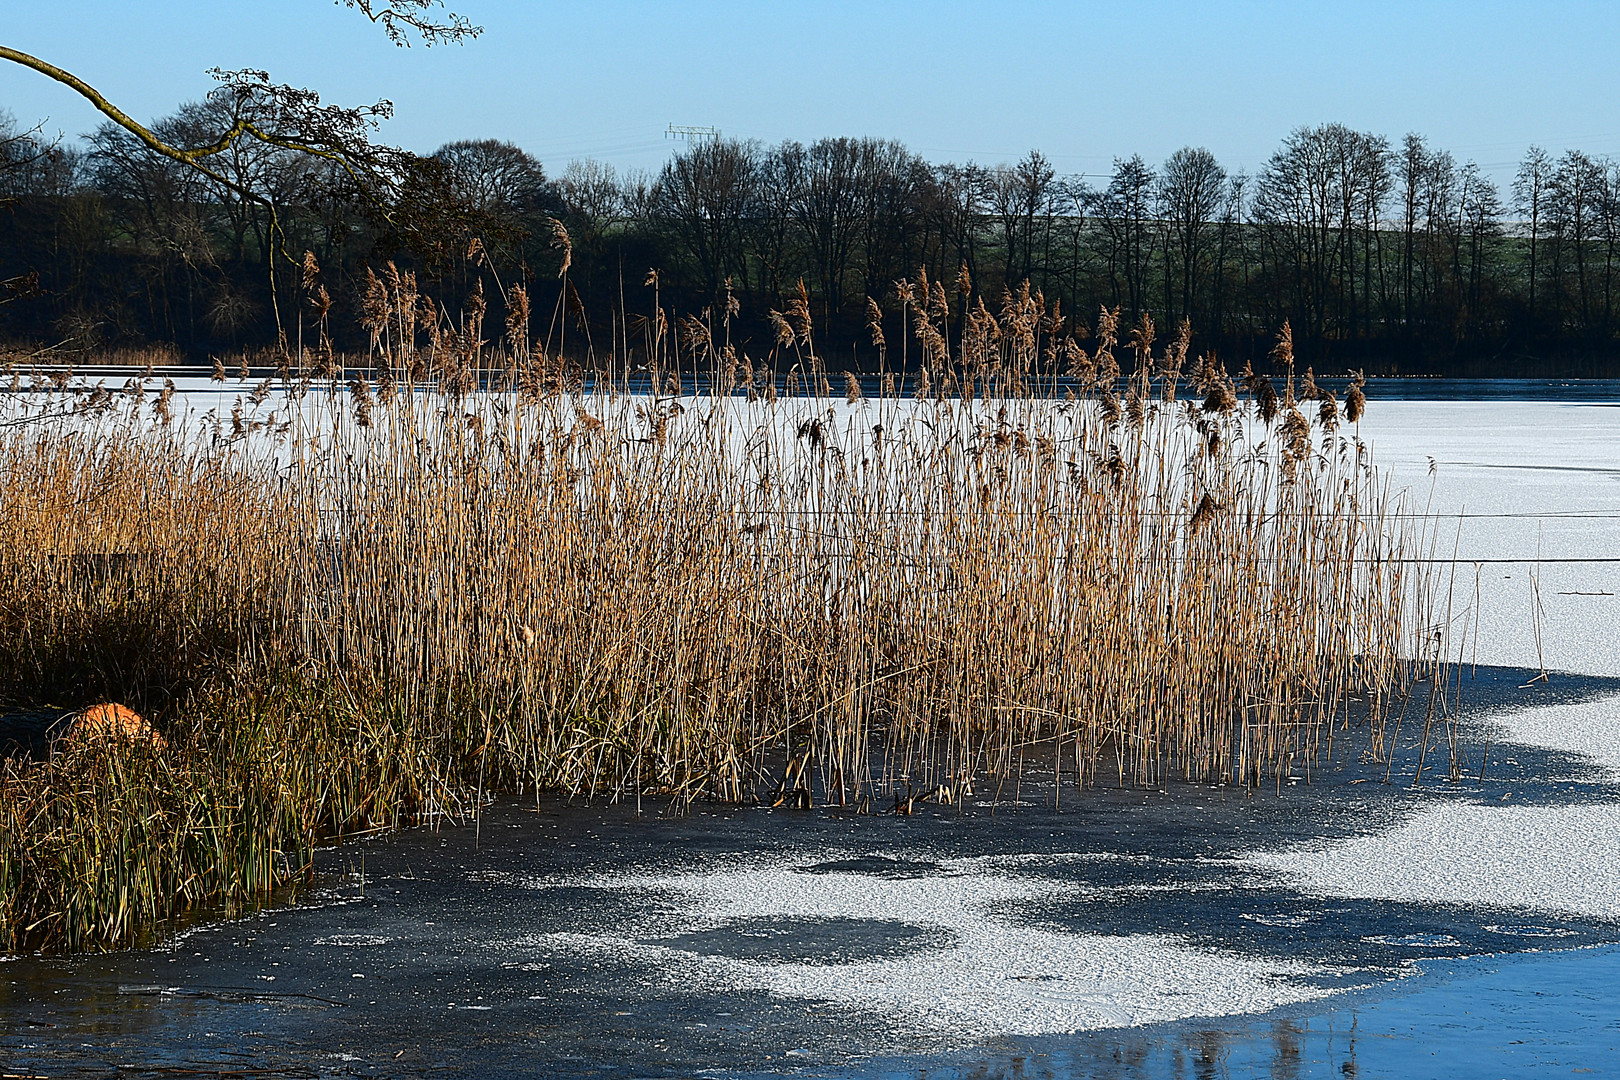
x=351, y=606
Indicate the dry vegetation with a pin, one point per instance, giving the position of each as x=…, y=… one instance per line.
x=354, y=605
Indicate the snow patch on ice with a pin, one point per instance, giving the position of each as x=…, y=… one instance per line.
x=1537, y=479
x=996, y=977
x=1591, y=728
x=1547, y=858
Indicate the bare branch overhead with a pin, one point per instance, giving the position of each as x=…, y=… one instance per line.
x=400, y=18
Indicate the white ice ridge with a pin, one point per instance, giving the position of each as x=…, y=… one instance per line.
x=1563, y=859
x=990, y=976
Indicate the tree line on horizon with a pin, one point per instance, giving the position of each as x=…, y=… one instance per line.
x=1388, y=256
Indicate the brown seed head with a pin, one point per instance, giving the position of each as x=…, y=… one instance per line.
x=874, y=322
x=1355, y=401
x=561, y=242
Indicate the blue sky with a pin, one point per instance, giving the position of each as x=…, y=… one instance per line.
x=1083, y=82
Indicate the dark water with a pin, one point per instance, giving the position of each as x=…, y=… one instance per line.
x=1415, y=388
x=1432, y=389
x=1405, y=388
x=429, y=953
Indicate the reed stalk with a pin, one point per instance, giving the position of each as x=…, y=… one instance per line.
x=352, y=604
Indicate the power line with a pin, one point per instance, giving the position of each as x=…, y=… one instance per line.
x=688, y=132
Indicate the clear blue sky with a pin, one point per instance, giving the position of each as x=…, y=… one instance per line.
x=1083, y=82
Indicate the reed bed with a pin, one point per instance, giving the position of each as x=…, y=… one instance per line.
x=481, y=571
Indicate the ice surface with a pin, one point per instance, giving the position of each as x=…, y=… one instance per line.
x=1550, y=858
x=1591, y=729
x=1562, y=859
x=1534, y=477
x=992, y=975
x=1552, y=474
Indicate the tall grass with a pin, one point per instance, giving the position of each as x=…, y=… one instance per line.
x=351, y=605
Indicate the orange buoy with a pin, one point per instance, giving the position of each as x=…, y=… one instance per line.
x=112, y=721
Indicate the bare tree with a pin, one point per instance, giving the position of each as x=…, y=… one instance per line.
x=1374, y=184
x=1229, y=251
x=954, y=205
x=593, y=205
x=893, y=183
x=1435, y=251
x=270, y=175
x=772, y=236
x=21, y=151
x=1609, y=222
x=1413, y=168
x=1576, y=190
x=158, y=207
x=1072, y=199
x=1019, y=198
x=1530, y=200
x=400, y=19
x=592, y=193
x=1192, y=187
x=1479, y=209
x=827, y=198
x=704, y=195
x=492, y=176
x=1362, y=185
x=1124, y=210
x=1298, y=205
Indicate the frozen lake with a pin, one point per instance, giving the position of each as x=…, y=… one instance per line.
x=1345, y=926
